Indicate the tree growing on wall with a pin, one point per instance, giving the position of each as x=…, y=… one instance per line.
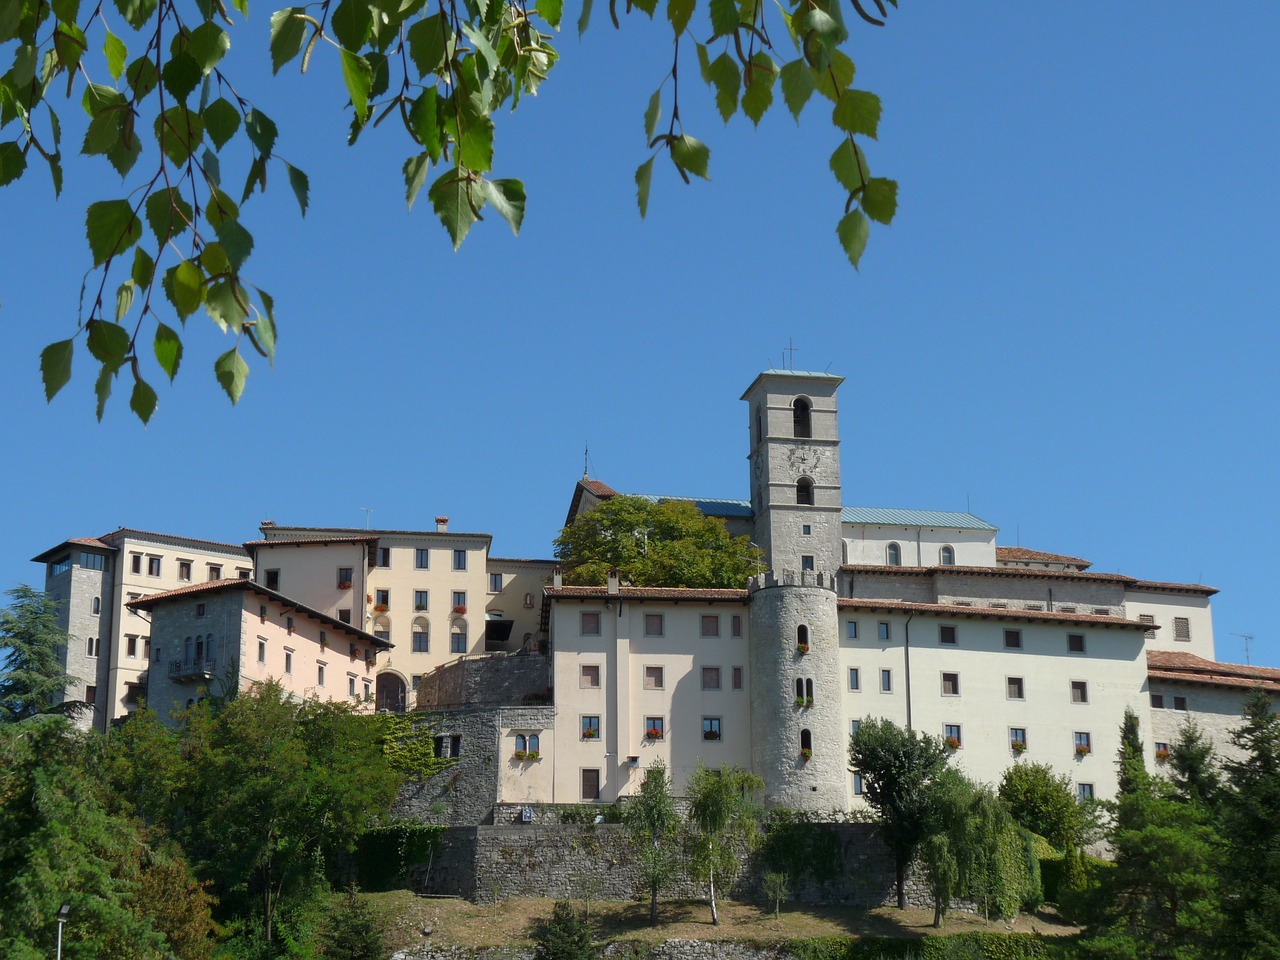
x=651, y=819
x=32, y=678
x=666, y=544
x=723, y=820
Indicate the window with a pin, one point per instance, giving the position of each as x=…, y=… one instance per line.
x=1075, y=643
x=854, y=679
x=346, y=575
x=947, y=633
x=590, y=623
x=262, y=613
x=886, y=681
x=146, y=649
x=802, y=638
x=288, y=660
x=653, y=728
x=459, y=559
x=460, y=601
x=131, y=645
x=458, y=640
x=951, y=734
x=590, y=729
x=893, y=555
x=415, y=681
x=528, y=601
x=710, y=625
x=1181, y=628
x=806, y=743
x=710, y=728
x=288, y=624
x=421, y=640
x=184, y=570
x=857, y=784
x=422, y=558
x=1180, y=703
x=884, y=630
x=91, y=695
x=1066, y=608
x=710, y=678
x=737, y=678
x=1084, y=792
x=590, y=784
x=153, y=566
x=382, y=598
x=735, y=626
x=1018, y=739
x=93, y=646
x=947, y=556
x=262, y=651
x=999, y=605
x=951, y=684
x=273, y=580
x=1147, y=618
x=654, y=678
x=92, y=561
x=1102, y=611
x=215, y=571
x=368, y=692
x=243, y=573
x=851, y=629
x=351, y=692
x=421, y=600
x=495, y=583
x=806, y=530
x=1033, y=606
x=1079, y=691
x=320, y=674
x=135, y=563
x=1157, y=701
x=383, y=557
x=853, y=727
x=654, y=624
x=589, y=676
x=344, y=615
x=95, y=608
x=199, y=609
x=804, y=492
x=1161, y=749
x=1014, y=689
x=801, y=424
x=1013, y=639
x=806, y=562
x=1083, y=743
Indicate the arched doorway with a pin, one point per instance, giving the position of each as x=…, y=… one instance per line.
x=390, y=693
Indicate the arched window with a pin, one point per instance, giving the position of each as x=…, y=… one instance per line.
x=799, y=689
x=458, y=637
x=421, y=635
x=522, y=742
x=806, y=740
x=893, y=555
x=97, y=606
x=948, y=556
x=800, y=419
x=528, y=601
x=808, y=690
x=802, y=636
x=186, y=650
x=200, y=646
x=804, y=492
x=533, y=743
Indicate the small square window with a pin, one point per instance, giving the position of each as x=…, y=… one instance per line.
x=368, y=689
x=1147, y=618
x=951, y=684
x=319, y=674
x=654, y=624
x=215, y=571
x=345, y=614
x=851, y=629
x=415, y=681
x=199, y=609
x=1083, y=743
x=654, y=678
x=345, y=578
x=382, y=598
x=458, y=639
x=737, y=678
x=422, y=558
x=590, y=623
x=132, y=611
x=351, y=688
x=1161, y=748
x=710, y=728
x=710, y=678
x=947, y=634
x=951, y=734
x=288, y=661
x=736, y=625
x=1075, y=643
x=853, y=727
x=654, y=728
x=806, y=562
x=384, y=557
x=459, y=559
x=1180, y=703
x=590, y=728
x=886, y=631
x=886, y=681
x=272, y=580
x=421, y=641
x=153, y=566
x=710, y=625
x=288, y=624
x=1013, y=639
x=589, y=676
x=495, y=583
x=184, y=570
x=1084, y=792
x=1018, y=739
x=1014, y=689
x=421, y=600
x=262, y=651
x=854, y=679
x=1157, y=701
x=460, y=601
x=131, y=645
x=1079, y=691
x=805, y=529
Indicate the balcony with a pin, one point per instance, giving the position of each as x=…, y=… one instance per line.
x=185, y=670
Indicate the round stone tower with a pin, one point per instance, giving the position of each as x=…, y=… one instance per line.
x=799, y=745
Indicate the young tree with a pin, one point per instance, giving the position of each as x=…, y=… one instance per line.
x=1193, y=767
x=33, y=679
x=1129, y=756
x=898, y=769
x=723, y=818
x=666, y=544
x=1043, y=802
x=652, y=821
x=352, y=931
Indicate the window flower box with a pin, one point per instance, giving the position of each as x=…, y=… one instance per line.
x=1083, y=750
x=808, y=701
x=345, y=585
x=1162, y=756
x=800, y=702
x=952, y=743
x=590, y=733
x=710, y=735
x=806, y=754
x=653, y=733
x=380, y=608
x=420, y=607
x=802, y=648
x=460, y=609
x=1018, y=746
x=526, y=756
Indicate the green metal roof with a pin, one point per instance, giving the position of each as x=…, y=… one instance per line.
x=881, y=516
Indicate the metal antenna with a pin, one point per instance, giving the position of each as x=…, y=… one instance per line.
x=367, y=512
x=586, y=456
x=1248, y=639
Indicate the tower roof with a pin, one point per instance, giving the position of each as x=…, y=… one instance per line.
x=830, y=379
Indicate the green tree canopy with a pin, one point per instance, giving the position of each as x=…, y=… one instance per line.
x=1043, y=802
x=723, y=819
x=665, y=544
x=652, y=821
x=32, y=677
x=1193, y=767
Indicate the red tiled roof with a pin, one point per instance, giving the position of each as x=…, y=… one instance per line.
x=49, y=554
x=299, y=541
x=991, y=613
x=678, y=594
x=1161, y=587
x=1031, y=573
x=91, y=542
x=1179, y=667
x=325, y=533
x=1036, y=556
x=170, y=538
x=602, y=490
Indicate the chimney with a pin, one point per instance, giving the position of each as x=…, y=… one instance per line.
x=557, y=578
x=442, y=524
x=613, y=582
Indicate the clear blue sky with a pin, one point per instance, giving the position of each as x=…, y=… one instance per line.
x=1070, y=329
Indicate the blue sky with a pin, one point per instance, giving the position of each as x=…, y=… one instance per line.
x=1070, y=328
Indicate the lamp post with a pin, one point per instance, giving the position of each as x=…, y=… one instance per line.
x=63, y=911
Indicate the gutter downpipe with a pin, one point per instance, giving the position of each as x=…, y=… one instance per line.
x=906, y=656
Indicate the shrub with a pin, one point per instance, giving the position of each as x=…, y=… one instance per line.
x=565, y=935
x=352, y=932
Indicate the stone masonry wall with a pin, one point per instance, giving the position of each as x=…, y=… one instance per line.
x=485, y=681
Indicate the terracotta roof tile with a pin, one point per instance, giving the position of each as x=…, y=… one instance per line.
x=1178, y=667
x=598, y=488
x=1129, y=583
x=685, y=594
x=991, y=613
x=325, y=533
x=298, y=541
x=1038, y=556
x=170, y=538
x=1162, y=587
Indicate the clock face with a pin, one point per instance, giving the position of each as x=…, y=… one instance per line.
x=803, y=460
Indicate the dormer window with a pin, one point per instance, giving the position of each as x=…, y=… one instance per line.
x=801, y=421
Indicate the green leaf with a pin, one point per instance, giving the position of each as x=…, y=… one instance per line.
x=551, y=11
x=724, y=74
x=758, y=96
x=144, y=268
x=124, y=298
x=415, y=175
x=644, y=176
x=691, y=155
x=55, y=366
x=484, y=49
x=264, y=328
x=213, y=259
x=227, y=304
x=475, y=145
x=181, y=75
x=99, y=99
x=55, y=173
x=428, y=44
x=212, y=168
x=102, y=388
x=24, y=67
x=424, y=119
x=168, y=214
x=648, y=6
x=288, y=33
x=858, y=112
x=236, y=241
x=168, y=347
x=704, y=62
x=679, y=12
x=849, y=165
x=724, y=17
x=301, y=186
x=880, y=199
x=103, y=133
x=652, y=113
x=111, y=228
x=184, y=287
x=108, y=342
x=351, y=22
x=358, y=76
x=115, y=52
x=798, y=85
x=853, y=231
x=508, y=198
x=836, y=78
x=207, y=45
x=143, y=400
x=450, y=197
x=221, y=120
x=125, y=153
x=261, y=131
x=12, y=162
x=70, y=43
x=142, y=77
x=179, y=131
x=257, y=177
x=136, y=12
x=584, y=18
x=232, y=372
x=66, y=9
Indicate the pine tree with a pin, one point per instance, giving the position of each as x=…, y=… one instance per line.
x=34, y=680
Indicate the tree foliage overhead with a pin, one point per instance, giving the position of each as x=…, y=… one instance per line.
x=32, y=678
x=166, y=111
x=665, y=544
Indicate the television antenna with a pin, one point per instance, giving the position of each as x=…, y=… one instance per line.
x=1248, y=639
x=367, y=512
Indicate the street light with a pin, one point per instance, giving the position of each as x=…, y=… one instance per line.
x=63, y=912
